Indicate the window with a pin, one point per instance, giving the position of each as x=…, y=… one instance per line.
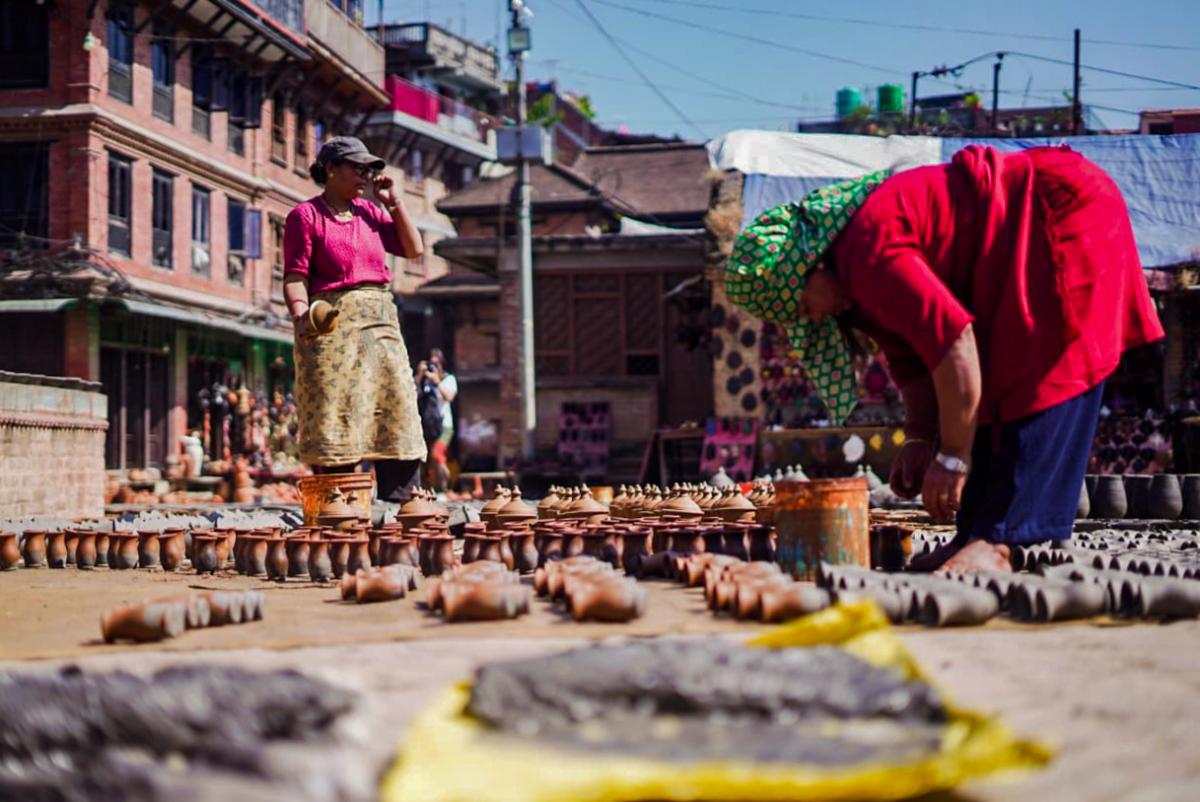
x=201, y=215
x=162, y=219
x=162, y=66
x=120, y=51
x=245, y=237
x=414, y=167
x=120, y=190
x=279, y=131
x=235, y=86
x=24, y=197
x=277, y=228
x=24, y=44
x=574, y=312
x=202, y=90
x=301, y=144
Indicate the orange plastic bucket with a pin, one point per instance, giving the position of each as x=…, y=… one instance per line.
x=822, y=520
x=314, y=489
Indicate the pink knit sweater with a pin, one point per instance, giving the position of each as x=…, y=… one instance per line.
x=333, y=254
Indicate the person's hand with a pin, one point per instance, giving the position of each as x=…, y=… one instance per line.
x=942, y=492
x=908, y=469
x=385, y=190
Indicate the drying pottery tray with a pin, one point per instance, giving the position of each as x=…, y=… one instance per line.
x=510, y=768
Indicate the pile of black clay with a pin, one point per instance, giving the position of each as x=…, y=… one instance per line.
x=92, y=736
x=690, y=700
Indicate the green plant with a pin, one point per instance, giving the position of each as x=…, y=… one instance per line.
x=543, y=113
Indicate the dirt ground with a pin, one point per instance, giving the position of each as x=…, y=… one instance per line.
x=1119, y=701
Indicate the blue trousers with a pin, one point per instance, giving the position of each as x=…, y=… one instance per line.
x=1025, y=478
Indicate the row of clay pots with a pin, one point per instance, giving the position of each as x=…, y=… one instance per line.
x=693, y=502
x=1135, y=595
x=167, y=618
x=482, y=591
x=386, y=583
x=591, y=589
x=1037, y=558
x=86, y=549
x=1163, y=496
x=931, y=600
x=757, y=591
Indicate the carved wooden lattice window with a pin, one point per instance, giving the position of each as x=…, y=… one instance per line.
x=593, y=324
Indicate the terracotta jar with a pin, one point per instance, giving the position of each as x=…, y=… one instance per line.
x=506, y=553
x=144, y=622
x=635, y=550
x=404, y=552
x=734, y=544
x=470, y=550
x=784, y=602
x=148, y=550
x=682, y=506
x=748, y=602
x=204, y=554
x=85, y=550
x=224, y=545
x=277, y=559
x=547, y=507
x=586, y=510
x=359, y=556
x=381, y=584
x=122, y=550
x=762, y=546
x=734, y=507
x=56, y=549
x=516, y=511
x=612, y=600
x=525, y=556
x=436, y=553
x=686, y=540
x=102, y=548
x=170, y=549
x=483, y=601
x=297, y=554
x=10, y=551
x=240, y=544
x=487, y=513
x=225, y=606
x=320, y=566
x=550, y=547
x=255, y=555
x=339, y=555
x=71, y=536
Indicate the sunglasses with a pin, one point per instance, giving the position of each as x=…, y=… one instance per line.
x=365, y=171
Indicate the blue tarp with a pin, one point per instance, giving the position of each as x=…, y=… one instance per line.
x=1158, y=175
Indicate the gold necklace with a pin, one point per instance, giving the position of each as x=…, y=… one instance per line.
x=336, y=211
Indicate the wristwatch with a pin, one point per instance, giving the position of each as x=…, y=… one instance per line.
x=953, y=464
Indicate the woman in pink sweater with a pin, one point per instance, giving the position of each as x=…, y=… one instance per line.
x=354, y=385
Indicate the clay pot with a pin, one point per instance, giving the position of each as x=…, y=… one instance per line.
x=204, y=554
x=71, y=536
x=85, y=551
x=1165, y=499
x=681, y=506
x=612, y=600
x=891, y=545
x=1163, y=598
x=170, y=549
x=1108, y=498
x=320, y=566
x=436, y=553
x=225, y=607
x=1137, y=492
x=122, y=551
x=515, y=511
x=382, y=584
x=734, y=541
x=402, y=551
x=241, y=544
x=734, y=507
x=297, y=549
x=1068, y=600
x=10, y=551
x=635, y=551
x=748, y=601
x=277, y=560
x=483, y=601
x=102, y=548
x=144, y=622
x=1083, y=508
x=762, y=546
x=781, y=603
x=470, y=551
x=487, y=549
x=525, y=555
x=958, y=606
x=1190, y=490
x=359, y=555
x=487, y=513
x=33, y=548
x=254, y=554
x=686, y=540
x=56, y=549
x=339, y=555
x=224, y=545
x=148, y=550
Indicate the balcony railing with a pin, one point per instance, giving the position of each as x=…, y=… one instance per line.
x=446, y=49
x=288, y=13
x=346, y=38
x=444, y=112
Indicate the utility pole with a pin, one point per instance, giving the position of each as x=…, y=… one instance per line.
x=1076, y=107
x=996, y=89
x=518, y=45
x=912, y=103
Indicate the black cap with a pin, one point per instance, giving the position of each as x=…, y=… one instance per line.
x=349, y=149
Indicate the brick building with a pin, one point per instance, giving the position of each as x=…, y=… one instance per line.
x=620, y=252
x=1169, y=121
x=150, y=152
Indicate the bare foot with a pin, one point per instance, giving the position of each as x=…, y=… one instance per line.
x=978, y=555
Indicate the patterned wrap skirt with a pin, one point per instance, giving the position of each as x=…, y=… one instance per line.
x=354, y=386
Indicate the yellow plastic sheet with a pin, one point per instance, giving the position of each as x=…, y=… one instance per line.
x=447, y=757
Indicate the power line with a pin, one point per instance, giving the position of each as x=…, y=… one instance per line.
x=745, y=37
x=633, y=65
x=913, y=26
x=1106, y=70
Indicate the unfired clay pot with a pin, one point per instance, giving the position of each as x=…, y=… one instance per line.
x=33, y=549
x=277, y=559
x=85, y=551
x=148, y=550
x=170, y=549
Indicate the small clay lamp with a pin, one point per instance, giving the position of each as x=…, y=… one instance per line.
x=734, y=507
x=516, y=511
x=587, y=509
x=337, y=512
x=682, y=506
x=548, y=506
x=418, y=511
x=487, y=513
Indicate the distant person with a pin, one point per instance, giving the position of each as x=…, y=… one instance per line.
x=440, y=387
x=355, y=396
x=1003, y=289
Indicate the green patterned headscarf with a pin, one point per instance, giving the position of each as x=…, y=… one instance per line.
x=766, y=275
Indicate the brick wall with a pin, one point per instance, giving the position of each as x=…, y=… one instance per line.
x=51, y=447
